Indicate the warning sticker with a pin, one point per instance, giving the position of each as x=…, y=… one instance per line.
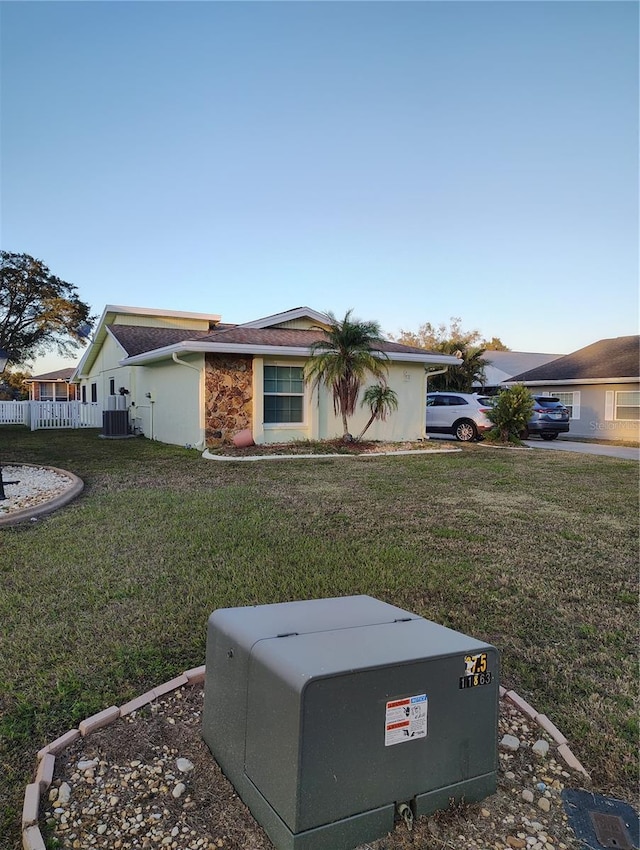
x=405, y=720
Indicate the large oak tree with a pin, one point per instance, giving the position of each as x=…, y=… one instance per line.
x=38, y=310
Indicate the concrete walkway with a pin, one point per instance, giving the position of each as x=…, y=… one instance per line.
x=624, y=452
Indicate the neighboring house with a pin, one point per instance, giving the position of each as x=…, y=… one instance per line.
x=52, y=386
x=600, y=384
x=193, y=380
x=502, y=365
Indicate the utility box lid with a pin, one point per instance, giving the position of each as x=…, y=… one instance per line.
x=328, y=709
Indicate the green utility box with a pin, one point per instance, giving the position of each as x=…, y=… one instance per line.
x=327, y=714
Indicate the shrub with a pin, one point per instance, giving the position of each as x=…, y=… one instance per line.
x=511, y=413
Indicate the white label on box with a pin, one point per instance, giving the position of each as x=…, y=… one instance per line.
x=405, y=720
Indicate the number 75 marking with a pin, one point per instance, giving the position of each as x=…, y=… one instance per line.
x=475, y=663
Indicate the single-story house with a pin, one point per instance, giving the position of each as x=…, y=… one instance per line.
x=600, y=384
x=502, y=365
x=189, y=379
x=52, y=386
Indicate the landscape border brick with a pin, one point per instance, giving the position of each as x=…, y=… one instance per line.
x=32, y=839
x=97, y=721
x=31, y=835
x=521, y=704
x=543, y=721
x=31, y=805
x=60, y=743
x=44, y=775
x=137, y=703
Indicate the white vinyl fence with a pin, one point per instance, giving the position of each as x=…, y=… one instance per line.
x=14, y=412
x=50, y=414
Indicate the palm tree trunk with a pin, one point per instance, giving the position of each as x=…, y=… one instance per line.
x=345, y=426
x=361, y=434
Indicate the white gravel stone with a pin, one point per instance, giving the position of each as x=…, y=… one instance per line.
x=527, y=795
x=64, y=794
x=510, y=742
x=35, y=486
x=544, y=803
x=179, y=790
x=184, y=765
x=541, y=747
x=87, y=764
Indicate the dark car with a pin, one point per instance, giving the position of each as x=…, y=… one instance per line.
x=550, y=417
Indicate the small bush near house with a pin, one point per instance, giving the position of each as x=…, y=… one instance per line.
x=510, y=413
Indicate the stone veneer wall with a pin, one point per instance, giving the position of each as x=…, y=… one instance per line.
x=228, y=396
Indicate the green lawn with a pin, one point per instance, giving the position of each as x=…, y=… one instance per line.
x=535, y=552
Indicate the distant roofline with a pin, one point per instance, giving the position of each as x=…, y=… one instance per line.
x=559, y=381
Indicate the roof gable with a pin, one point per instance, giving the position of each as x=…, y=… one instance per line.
x=291, y=318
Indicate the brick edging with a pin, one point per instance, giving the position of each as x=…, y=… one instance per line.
x=31, y=835
x=73, y=490
x=562, y=747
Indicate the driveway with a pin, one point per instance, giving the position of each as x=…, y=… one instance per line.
x=624, y=452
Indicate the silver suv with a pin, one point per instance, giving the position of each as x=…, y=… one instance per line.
x=549, y=418
x=462, y=414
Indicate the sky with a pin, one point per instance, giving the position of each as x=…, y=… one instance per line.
x=413, y=161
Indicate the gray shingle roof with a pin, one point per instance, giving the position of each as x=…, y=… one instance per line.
x=136, y=339
x=58, y=375
x=607, y=358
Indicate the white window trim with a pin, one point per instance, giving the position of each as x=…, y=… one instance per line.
x=616, y=405
x=609, y=406
x=575, y=403
x=285, y=426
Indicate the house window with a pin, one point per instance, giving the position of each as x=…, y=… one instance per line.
x=94, y=393
x=47, y=392
x=571, y=401
x=84, y=394
x=112, y=386
x=628, y=405
x=61, y=392
x=283, y=394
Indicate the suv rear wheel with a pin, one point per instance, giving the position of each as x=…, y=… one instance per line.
x=548, y=435
x=465, y=430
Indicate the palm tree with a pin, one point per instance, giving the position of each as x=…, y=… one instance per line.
x=382, y=400
x=349, y=351
x=470, y=371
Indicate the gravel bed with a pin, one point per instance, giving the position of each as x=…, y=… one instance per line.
x=35, y=486
x=149, y=781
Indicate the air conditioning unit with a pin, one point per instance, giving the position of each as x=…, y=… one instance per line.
x=115, y=423
x=328, y=715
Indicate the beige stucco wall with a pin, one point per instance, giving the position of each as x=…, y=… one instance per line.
x=320, y=422
x=303, y=324
x=174, y=413
x=173, y=410
x=406, y=423
x=106, y=367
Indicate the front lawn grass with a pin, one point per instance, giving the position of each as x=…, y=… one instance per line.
x=535, y=552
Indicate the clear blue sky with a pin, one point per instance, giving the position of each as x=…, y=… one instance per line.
x=412, y=160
